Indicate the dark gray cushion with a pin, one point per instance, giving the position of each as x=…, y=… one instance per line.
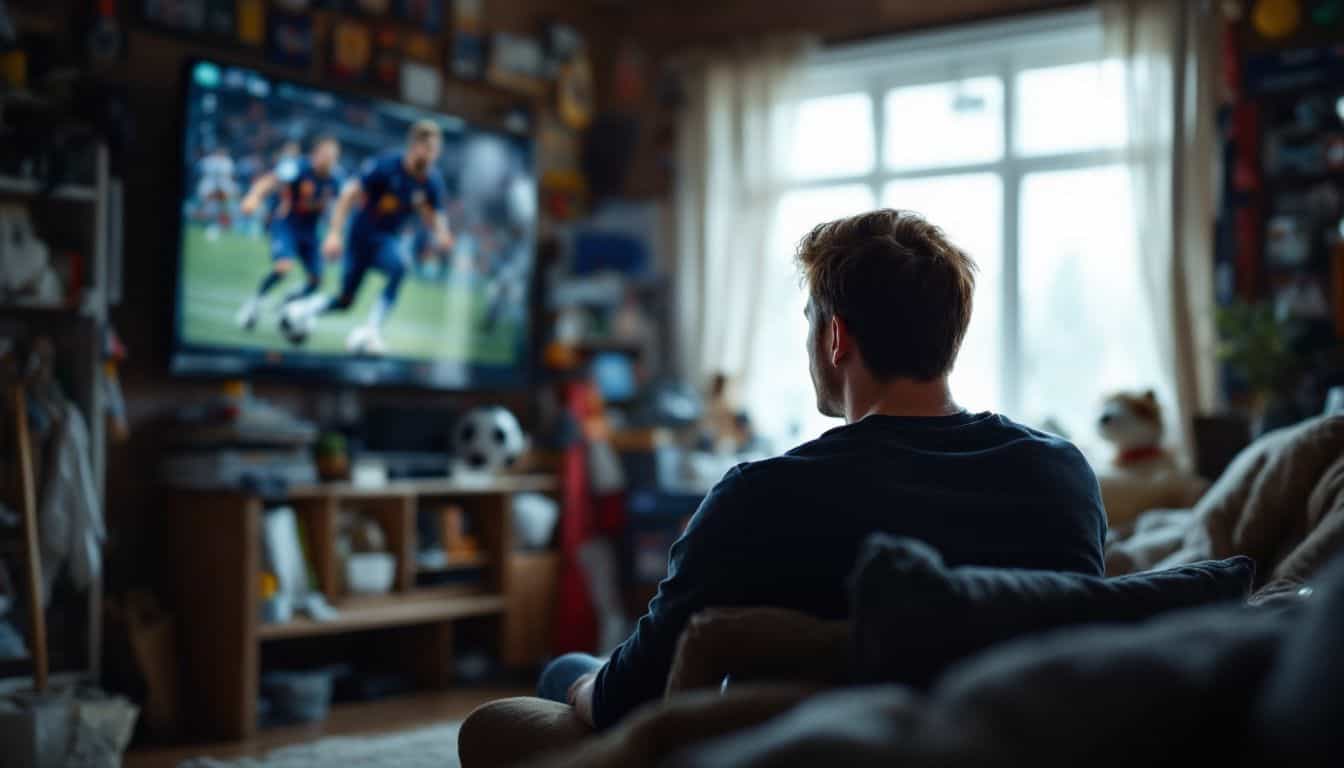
x=914, y=616
x=1301, y=709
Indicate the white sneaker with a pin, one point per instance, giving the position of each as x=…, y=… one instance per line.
x=247, y=315
x=365, y=340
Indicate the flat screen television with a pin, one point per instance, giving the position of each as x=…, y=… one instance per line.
x=350, y=239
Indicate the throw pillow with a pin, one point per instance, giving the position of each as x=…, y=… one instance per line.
x=913, y=616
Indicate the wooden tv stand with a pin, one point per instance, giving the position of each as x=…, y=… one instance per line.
x=216, y=545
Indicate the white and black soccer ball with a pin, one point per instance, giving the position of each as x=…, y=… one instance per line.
x=488, y=439
x=295, y=325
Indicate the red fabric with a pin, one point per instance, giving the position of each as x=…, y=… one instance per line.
x=1135, y=455
x=575, y=627
x=610, y=514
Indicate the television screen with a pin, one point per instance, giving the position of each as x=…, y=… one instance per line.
x=348, y=238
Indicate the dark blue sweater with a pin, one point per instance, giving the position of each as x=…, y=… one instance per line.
x=979, y=488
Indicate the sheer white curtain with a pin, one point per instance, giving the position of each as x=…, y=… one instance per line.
x=734, y=139
x=1169, y=53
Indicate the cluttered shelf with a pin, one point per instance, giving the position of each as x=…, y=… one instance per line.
x=457, y=562
x=416, y=607
x=12, y=185
x=447, y=487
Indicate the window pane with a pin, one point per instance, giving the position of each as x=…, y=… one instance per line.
x=950, y=123
x=834, y=136
x=1070, y=108
x=1086, y=326
x=969, y=209
x=779, y=389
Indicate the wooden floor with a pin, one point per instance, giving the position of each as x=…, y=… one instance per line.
x=398, y=714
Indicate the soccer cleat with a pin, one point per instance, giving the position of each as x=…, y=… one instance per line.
x=247, y=315
x=365, y=340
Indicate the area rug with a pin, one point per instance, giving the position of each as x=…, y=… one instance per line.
x=433, y=747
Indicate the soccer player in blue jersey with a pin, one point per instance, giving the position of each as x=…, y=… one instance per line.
x=303, y=187
x=391, y=189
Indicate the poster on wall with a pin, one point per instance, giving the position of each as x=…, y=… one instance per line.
x=289, y=40
x=387, y=56
x=424, y=14
x=374, y=8
x=197, y=17
x=351, y=50
x=251, y=22
x=421, y=48
x=468, y=55
x=517, y=63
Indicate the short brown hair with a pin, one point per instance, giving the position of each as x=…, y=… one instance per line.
x=422, y=130
x=902, y=288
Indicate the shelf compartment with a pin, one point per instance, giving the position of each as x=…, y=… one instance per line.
x=393, y=610
x=457, y=563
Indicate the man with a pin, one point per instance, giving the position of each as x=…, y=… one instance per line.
x=215, y=191
x=889, y=304
x=303, y=187
x=390, y=190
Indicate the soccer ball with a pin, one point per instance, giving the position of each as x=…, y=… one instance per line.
x=488, y=439
x=295, y=324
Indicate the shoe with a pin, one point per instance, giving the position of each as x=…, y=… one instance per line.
x=365, y=340
x=247, y=315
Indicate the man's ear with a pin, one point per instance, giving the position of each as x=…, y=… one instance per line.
x=841, y=341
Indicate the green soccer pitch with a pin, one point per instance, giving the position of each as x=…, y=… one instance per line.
x=430, y=321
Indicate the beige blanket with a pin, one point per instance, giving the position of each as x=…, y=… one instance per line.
x=1281, y=502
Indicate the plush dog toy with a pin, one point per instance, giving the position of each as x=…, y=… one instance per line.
x=1143, y=474
x=1133, y=424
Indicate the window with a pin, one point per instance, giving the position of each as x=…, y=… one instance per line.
x=1011, y=138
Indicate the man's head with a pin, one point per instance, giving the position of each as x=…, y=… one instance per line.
x=423, y=142
x=889, y=297
x=324, y=154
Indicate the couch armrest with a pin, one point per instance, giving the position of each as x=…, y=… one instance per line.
x=756, y=644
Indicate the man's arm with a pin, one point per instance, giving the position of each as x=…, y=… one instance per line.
x=437, y=223
x=432, y=214
x=340, y=213
x=259, y=190
x=710, y=565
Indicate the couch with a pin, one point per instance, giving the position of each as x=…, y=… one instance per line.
x=987, y=667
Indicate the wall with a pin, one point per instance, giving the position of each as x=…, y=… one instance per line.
x=664, y=31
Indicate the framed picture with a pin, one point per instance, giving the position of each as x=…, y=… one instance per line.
x=373, y=8
x=387, y=56
x=351, y=50
x=290, y=40
x=467, y=59
x=215, y=18
x=426, y=15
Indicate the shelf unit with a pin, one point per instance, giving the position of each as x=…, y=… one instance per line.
x=76, y=215
x=216, y=543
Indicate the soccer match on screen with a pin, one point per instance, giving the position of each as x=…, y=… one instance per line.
x=318, y=225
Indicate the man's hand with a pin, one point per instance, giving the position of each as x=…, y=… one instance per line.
x=332, y=245
x=581, y=697
x=757, y=641
x=249, y=205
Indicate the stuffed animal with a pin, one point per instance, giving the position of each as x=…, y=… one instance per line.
x=1143, y=474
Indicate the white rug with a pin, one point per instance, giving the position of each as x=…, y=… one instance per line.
x=433, y=747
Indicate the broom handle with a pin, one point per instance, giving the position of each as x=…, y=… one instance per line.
x=37, y=614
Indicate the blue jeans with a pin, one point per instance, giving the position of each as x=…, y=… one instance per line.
x=561, y=673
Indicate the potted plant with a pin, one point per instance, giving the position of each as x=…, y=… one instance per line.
x=1258, y=347
x=333, y=457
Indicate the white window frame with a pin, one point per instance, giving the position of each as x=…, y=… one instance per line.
x=1000, y=49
